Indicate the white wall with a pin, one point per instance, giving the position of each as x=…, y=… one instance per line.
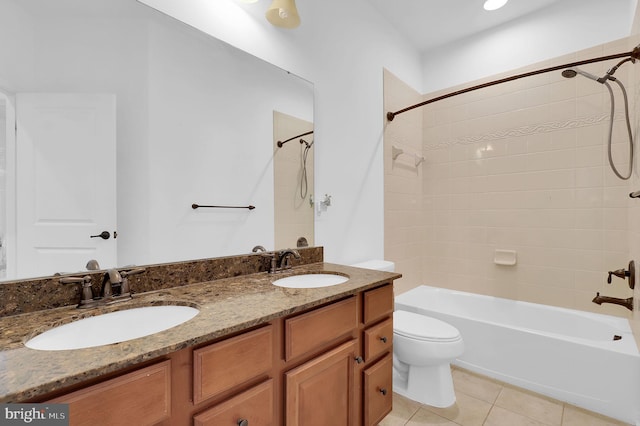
x=177, y=144
x=200, y=153
x=559, y=29
x=342, y=47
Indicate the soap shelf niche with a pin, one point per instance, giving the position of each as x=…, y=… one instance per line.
x=396, y=152
x=505, y=257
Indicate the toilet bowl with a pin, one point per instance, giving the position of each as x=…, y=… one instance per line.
x=423, y=348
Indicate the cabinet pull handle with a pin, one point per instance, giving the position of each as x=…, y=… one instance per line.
x=383, y=339
x=359, y=359
x=243, y=422
x=383, y=391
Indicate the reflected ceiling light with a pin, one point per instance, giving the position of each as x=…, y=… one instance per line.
x=494, y=4
x=283, y=13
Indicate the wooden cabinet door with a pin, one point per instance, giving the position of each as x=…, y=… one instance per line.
x=378, y=396
x=320, y=392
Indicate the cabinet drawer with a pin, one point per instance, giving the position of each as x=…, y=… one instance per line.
x=231, y=362
x=254, y=405
x=378, y=303
x=142, y=397
x=314, y=329
x=378, y=339
x=378, y=391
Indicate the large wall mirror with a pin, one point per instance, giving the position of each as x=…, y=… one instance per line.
x=125, y=118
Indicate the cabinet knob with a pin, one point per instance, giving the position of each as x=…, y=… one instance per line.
x=243, y=422
x=383, y=339
x=383, y=391
x=359, y=360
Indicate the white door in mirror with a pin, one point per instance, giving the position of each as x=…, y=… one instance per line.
x=66, y=178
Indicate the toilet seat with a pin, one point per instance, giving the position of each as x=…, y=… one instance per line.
x=423, y=328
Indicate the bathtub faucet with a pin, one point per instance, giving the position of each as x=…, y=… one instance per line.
x=627, y=303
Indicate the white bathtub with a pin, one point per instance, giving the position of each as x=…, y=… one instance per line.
x=565, y=354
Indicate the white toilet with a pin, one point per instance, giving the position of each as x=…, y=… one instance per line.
x=423, y=348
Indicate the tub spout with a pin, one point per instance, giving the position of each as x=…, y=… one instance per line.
x=627, y=303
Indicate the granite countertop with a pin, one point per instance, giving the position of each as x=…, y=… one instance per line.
x=226, y=306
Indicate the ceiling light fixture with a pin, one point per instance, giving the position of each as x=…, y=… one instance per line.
x=494, y=4
x=283, y=13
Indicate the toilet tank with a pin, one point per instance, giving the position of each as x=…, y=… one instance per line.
x=378, y=265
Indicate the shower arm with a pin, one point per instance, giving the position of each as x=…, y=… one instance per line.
x=281, y=143
x=633, y=55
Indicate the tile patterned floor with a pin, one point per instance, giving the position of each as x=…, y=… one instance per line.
x=484, y=402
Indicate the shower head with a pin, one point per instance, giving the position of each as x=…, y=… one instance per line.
x=572, y=72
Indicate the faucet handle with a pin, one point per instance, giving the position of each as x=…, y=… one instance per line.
x=86, y=299
x=134, y=271
x=622, y=273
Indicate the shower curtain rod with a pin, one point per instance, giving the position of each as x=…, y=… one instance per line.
x=280, y=143
x=634, y=54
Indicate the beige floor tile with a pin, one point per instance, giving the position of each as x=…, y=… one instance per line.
x=574, y=416
x=530, y=405
x=403, y=410
x=477, y=386
x=425, y=417
x=467, y=411
x=500, y=417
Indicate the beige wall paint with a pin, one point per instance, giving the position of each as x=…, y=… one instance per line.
x=293, y=213
x=519, y=166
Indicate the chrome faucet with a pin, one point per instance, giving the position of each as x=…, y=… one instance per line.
x=627, y=303
x=285, y=256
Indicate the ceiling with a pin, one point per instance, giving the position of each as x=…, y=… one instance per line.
x=432, y=23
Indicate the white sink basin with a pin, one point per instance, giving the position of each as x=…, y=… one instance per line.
x=311, y=281
x=111, y=328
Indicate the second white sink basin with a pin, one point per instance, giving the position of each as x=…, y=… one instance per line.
x=111, y=328
x=311, y=281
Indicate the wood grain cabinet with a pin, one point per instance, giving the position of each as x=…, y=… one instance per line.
x=224, y=365
x=142, y=397
x=320, y=392
x=253, y=407
x=377, y=390
x=329, y=365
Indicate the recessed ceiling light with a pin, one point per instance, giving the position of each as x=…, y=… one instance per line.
x=494, y=4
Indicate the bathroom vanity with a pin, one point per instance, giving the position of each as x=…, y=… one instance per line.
x=255, y=354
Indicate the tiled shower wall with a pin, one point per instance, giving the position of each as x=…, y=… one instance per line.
x=404, y=230
x=520, y=166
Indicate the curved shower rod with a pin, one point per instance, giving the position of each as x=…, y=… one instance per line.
x=633, y=55
x=280, y=143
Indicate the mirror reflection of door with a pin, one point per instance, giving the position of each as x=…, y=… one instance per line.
x=66, y=183
x=293, y=181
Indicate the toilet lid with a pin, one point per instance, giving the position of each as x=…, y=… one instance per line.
x=420, y=327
